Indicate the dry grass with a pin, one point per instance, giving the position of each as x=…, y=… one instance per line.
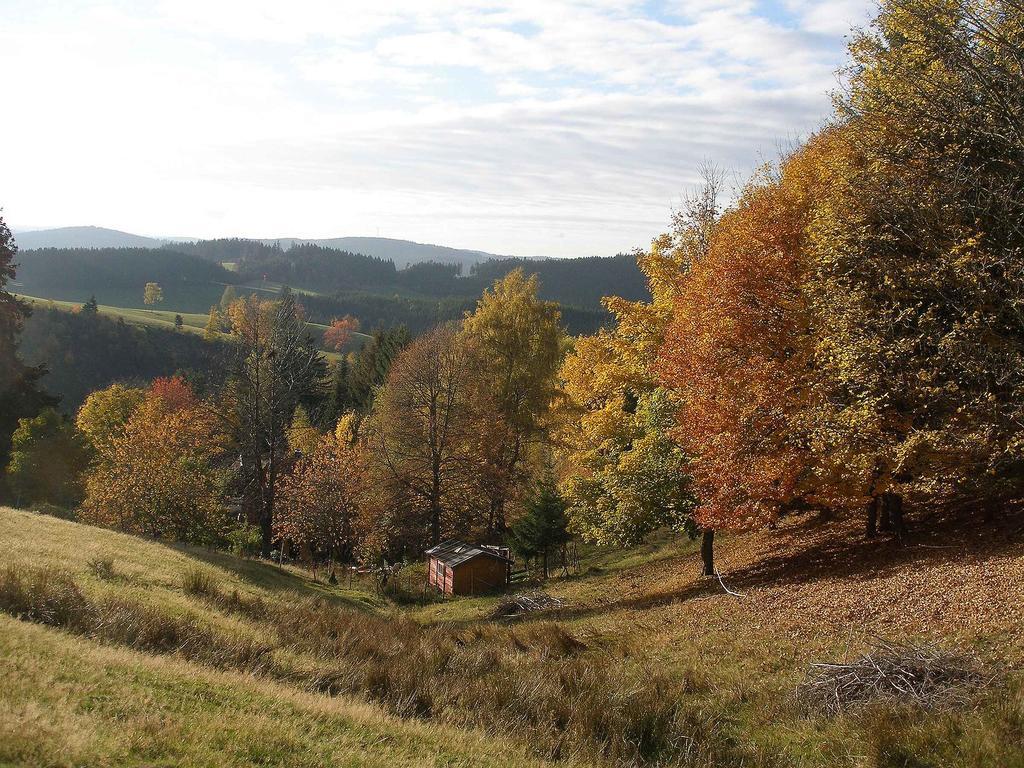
x=538, y=683
x=645, y=662
x=75, y=703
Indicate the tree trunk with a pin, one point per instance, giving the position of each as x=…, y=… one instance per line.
x=871, y=528
x=545, y=556
x=707, y=551
x=885, y=521
x=894, y=506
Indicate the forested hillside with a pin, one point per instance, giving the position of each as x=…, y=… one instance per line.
x=118, y=276
x=84, y=351
x=192, y=277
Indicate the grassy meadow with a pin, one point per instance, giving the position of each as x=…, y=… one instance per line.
x=136, y=652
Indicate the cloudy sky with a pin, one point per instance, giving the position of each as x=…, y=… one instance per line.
x=541, y=127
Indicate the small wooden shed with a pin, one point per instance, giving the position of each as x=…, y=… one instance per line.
x=458, y=568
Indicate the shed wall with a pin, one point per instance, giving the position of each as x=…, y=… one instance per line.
x=481, y=574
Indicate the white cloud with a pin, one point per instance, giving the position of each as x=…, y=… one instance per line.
x=539, y=126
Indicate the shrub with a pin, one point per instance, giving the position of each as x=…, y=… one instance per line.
x=43, y=596
x=244, y=541
x=53, y=598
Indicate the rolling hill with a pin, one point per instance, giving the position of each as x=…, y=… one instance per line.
x=401, y=252
x=132, y=651
x=83, y=237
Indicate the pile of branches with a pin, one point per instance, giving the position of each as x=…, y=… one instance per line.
x=920, y=674
x=527, y=602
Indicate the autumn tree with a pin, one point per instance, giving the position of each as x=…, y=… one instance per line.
x=340, y=332
x=621, y=472
x=519, y=342
x=419, y=433
x=47, y=459
x=152, y=293
x=20, y=393
x=320, y=501
x=918, y=288
x=159, y=476
x=737, y=354
x=303, y=437
x=214, y=324
x=276, y=367
x=105, y=414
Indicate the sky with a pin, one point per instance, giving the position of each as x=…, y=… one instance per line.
x=532, y=128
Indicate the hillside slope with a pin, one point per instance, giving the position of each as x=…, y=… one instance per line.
x=641, y=637
x=68, y=700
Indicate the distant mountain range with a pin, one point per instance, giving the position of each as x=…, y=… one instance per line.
x=401, y=252
x=83, y=237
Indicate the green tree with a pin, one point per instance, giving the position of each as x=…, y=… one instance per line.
x=543, y=528
x=20, y=393
x=370, y=367
x=179, y=322
x=152, y=294
x=91, y=307
x=518, y=341
x=47, y=459
x=104, y=414
x=635, y=480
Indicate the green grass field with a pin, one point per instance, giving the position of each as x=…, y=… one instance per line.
x=640, y=623
x=164, y=318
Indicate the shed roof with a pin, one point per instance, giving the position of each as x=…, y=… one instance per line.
x=455, y=552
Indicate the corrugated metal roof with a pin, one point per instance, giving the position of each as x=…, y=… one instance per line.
x=455, y=552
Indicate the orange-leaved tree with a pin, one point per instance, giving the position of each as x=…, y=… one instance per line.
x=320, y=501
x=737, y=354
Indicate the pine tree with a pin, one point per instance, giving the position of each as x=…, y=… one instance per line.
x=543, y=529
x=91, y=307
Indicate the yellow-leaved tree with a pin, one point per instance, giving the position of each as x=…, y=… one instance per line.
x=157, y=475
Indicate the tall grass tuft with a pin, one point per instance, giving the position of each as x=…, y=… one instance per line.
x=198, y=582
x=53, y=598
x=102, y=568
